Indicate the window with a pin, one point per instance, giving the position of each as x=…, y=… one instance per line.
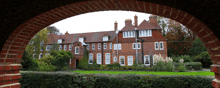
x=47, y=54
x=105, y=45
x=34, y=56
x=70, y=47
x=90, y=58
x=76, y=50
x=99, y=46
x=60, y=48
x=115, y=59
x=59, y=41
x=48, y=48
x=87, y=47
x=93, y=46
x=161, y=45
x=117, y=46
x=105, y=38
x=41, y=45
x=99, y=59
x=81, y=39
x=107, y=58
x=130, y=60
x=145, y=33
x=156, y=46
x=40, y=55
x=122, y=60
x=110, y=45
x=64, y=47
x=147, y=60
x=128, y=34
x=137, y=45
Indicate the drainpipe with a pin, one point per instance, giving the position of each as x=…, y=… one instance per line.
x=117, y=48
x=136, y=44
x=142, y=50
x=102, y=51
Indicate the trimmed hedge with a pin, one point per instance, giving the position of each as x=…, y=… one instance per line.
x=190, y=65
x=72, y=80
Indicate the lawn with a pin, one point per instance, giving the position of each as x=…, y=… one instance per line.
x=201, y=73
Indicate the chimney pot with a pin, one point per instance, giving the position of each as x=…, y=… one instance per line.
x=135, y=21
x=116, y=26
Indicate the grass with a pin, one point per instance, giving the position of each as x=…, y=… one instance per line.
x=201, y=73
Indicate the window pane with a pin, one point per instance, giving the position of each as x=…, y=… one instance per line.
x=126, y=34
x=129, y=34
x=107, y=58
x=90, y=58
x=139, y=46
x=146, y=60
x=134, y=45
x=110, y=45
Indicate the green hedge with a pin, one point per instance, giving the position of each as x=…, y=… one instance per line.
x=190, y=65
x=72, y=80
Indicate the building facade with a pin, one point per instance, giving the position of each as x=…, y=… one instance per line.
x=132, y=42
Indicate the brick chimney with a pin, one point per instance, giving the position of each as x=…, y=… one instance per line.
x=135, y=21
x=153, y=20
x=128, y=22
x=66, y=32
x=116, y=26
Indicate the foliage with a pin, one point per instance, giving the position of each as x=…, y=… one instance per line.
x=181, y=68
x=163, y=64
x=190, y=65
x=43, y=66
x=64, y=80
x=186, y=58
x=113, y=65
x=197, y=47
x=169, y=66
x=53, y=29
x=28, y=63
x=204, y=58
x=36, y=43
x=83, y=63
x=160, y=66
x=135, y=64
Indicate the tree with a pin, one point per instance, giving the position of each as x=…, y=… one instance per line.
x=53, y=29
x=28, y=63
x=162, y=21
x=197, y=47
x=36, y=44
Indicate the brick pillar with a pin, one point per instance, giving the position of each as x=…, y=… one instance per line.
x=216, y=69
x=9, y=75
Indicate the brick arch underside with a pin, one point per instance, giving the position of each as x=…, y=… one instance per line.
x=14, y=47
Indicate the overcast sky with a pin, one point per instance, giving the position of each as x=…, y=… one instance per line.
x=98, y=21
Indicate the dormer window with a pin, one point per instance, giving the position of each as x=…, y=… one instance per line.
x=81, y=39
x=59, y=41
x=145, y=33
x=128, y=34
x=105, y=38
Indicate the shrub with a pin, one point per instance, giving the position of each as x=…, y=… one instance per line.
x=160, y=66
x=193, y=65
x=181, y=68
x=186, y=58
x=113, y=65
x=169, y=66
x=28, y=63
x=204, y=58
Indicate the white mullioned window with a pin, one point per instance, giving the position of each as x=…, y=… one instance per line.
x=117, y=46
x=87, y=47
x=70, y=47
x=93, y=46
x=48, y=47
x=99, y=58
x=76, y=50
x=90, y=58
x=147, y=60
x=130, y=60
x=161, y=45
x=136, y=45
x=60, y=47
x=40, y=55
x=156, y=46
x=110, y=45
x=105, y=45
x=105, y=38
x=128, y=34
x=64, y=47
x=99, y=45
x=122, y=60
x=115, y=59
x=145, y=33
x=107, y=58
x=59, y=41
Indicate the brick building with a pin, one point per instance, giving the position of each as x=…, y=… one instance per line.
x=132, y=42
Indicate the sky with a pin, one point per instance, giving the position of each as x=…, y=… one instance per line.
x=98, y=21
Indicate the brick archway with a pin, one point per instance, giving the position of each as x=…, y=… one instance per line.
x=14, y=46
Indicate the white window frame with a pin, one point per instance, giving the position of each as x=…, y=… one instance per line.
x=87, y=47
x=105, y=45
x=70, y=47
x=145, y=33
x=40, y=55
x=135, y=45
x=156, y=44
x=93, y=46
x=105, y=38
x=115, y=46
x=81, y=39
x=90, y=57
x=75, y=50
x=97, y=58
x=128, y=34
x=161, y=43
x=131, y=58
x=99, y=45
x=65, y=47
x=119, y=46
x=48, y=47
x=107, y=59
x=110, y=45
x=60, y=47
x=148, y=60
x=122, y=57
x=115, y=59
x=59, y=41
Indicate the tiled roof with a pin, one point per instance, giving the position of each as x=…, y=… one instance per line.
x=88, y=37
x=146, y=25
